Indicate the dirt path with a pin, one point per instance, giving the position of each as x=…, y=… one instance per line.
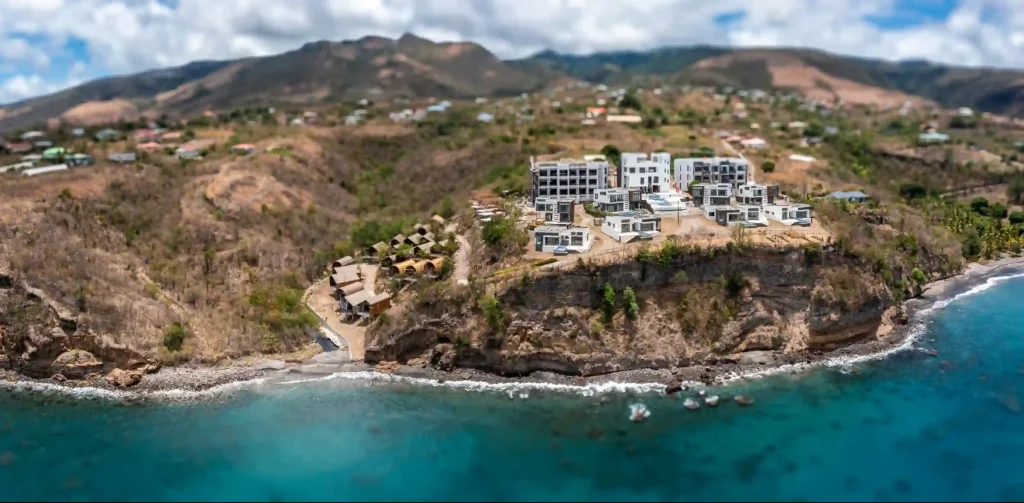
x=321, y=301
x=462, y=260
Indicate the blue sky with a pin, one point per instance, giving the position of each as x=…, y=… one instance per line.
x=47, y=45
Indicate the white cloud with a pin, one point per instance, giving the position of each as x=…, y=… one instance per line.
x=132, y=35
x=20, y=87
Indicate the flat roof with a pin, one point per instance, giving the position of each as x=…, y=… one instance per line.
x=550, y=229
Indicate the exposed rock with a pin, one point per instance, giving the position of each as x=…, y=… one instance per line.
x=744, y=401
x=124, y=378
x=5, y=362
x=58, y=378
x=691, y=404
x=407, y=371
x=76, y=364
x=702, y=393
x=545, y=376
x=673, y=386
x=266, y=365
x=711, y=401
x=6, y=278
x=465, y=376
x=387, y=367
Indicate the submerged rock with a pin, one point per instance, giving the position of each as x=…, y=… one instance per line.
x=744, y=401
x=638, y=412
x=702, y=393
x=711, y=401
x=691, y=404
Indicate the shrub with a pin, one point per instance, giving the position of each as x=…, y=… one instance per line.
x=596, y=327
x=998, y=211
x=542, y=262
x=680, y=278
x=608, y=302
x=980, y=206
x=492, y=311
x=174, y=337
x=911, y=191
x=734, y=283
x=632, y=308
x=768, y=166
x=918, y=276
x=1017, y=217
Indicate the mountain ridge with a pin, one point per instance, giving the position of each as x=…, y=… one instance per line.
x=414, y=67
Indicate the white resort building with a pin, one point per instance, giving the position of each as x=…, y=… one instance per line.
x=562, y=239
x=574, y=178
x=651, y=173
x=732, y=170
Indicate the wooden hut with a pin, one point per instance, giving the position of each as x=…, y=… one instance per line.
x=403, y=267
x=342, y=262
x=397, y=240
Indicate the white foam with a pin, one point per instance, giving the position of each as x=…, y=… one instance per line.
x=92, y=393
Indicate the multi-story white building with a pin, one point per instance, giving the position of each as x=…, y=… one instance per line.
x=573, y=178
x=757, y=194
x=711, y=194
x=616, y=200
x=731, y=170
x=555, y=209
x=651, y=173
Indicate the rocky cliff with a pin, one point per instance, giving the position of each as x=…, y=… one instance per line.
x=691, y=307
x=41, y=338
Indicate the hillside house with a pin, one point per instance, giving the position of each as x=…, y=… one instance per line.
x=618, y=200
x=149, y=147
x=627, y=226
x=77, y=132
x=122, y=157
x=789, y=214
x=484, y=117
x=754, y=143
x=145, y=135
x=757, y=194
x=345, y=276
x=15, y=167
x=171, y=137
x=932, y=138
x=79, y=160
x=647, y=172
x=33, y=158
x=562, y=239
x=54, y=153
x=556, y=210
x=188, y=152
x=243, y=149
x=343, y=295
x=42, y=144
x=625, y=119
x=711, y=194
x=19, y=148
x=32, y=135
x=107, y=135
x=851, y=197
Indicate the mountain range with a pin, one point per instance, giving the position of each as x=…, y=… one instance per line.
x=413, y=67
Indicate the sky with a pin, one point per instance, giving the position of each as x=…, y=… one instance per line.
x=48, y=45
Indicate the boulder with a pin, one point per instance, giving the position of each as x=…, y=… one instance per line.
x=673, y=386
x=744, y=401
x=124, y=378
x=545, y=376
x=5, y=362
x=58, y=378
x=76, y=364
x=711, y=401
x=691, y=404
x=465, y=376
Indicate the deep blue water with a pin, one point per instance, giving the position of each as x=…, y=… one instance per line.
x=910, y=427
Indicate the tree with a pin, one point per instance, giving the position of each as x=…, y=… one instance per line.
x=492, y=311
x=629, y=100
x=174, y=337
x=918, y=276
x=632, y=308
x=446, y=210
x=998, y=211
x=1015, y=190
x=612, y=153
x=980, y=206
x=1017, y=217
x=768, y=166
x=608, y=302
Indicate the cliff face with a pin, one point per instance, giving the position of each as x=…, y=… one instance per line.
x=41, y=338
x=694, y=307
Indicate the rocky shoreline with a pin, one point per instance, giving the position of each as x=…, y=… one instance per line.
x=194, y=378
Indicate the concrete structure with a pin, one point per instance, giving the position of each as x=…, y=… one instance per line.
x=649, y=173
x=574, y=178
x=731, y=170
x=79, y=160
x=629, y=225
x=107, y=135
x=616, y=200
x=556, y=210
x=244, y=149
x=628, y=119
x=933, y=138
x=561, y=239
x=667, y=204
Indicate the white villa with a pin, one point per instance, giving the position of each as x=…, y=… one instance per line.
x=562, y=239
x=789, y=214
x=647, y=172
x=629, y=225
x=668, y=203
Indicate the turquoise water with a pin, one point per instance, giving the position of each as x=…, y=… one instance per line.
x=910, y=427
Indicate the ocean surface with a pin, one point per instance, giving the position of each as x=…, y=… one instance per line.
x=909, y=427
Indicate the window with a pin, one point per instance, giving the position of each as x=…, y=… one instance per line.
x=643, y=170
x=550, y=240
x=647, y=226
x=577, y=240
